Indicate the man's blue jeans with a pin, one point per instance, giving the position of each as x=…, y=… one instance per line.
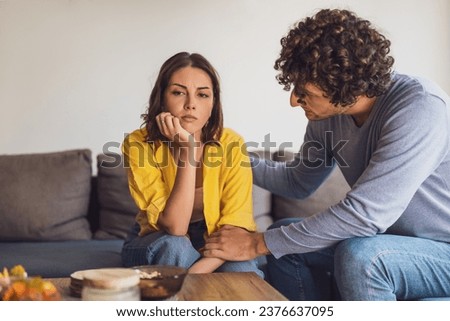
x=382, y=267
x=164, y=249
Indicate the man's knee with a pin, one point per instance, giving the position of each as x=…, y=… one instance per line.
x=354, y=254
x=363, y=268
x=356, y=258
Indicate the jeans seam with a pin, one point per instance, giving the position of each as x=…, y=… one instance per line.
x=372, y=268
x=298, y=267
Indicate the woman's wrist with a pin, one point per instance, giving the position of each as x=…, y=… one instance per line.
x=189, y=156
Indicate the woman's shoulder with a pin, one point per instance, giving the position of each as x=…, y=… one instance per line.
x=138, y=135
x=230, y=135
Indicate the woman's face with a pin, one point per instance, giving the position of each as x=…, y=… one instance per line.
x=189, y=97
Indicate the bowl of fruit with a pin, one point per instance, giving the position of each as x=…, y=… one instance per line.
x=15, y=285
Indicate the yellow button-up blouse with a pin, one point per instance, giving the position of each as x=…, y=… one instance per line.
x=227, y=181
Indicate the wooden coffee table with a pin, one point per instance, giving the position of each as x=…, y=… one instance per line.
x=231, y=286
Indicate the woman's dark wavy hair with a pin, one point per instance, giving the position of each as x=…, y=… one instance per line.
x=338, y=52
x=214, y=127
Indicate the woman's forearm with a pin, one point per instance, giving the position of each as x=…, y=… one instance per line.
x=178, y=210
x=206, y=265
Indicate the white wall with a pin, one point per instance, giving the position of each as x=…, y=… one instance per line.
x=78, y=73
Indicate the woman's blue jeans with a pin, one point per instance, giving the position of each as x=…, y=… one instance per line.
x=382, y=267
x=164, y=249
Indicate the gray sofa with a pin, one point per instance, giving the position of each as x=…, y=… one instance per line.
x=58, y=218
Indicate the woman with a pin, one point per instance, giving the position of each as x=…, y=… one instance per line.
x=188, y=175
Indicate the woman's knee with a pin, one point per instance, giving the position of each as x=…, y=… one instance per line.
x=171, y=245
x=241, y=266
x=159, y=249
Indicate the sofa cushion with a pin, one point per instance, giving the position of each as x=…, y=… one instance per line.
x=60, y=259
x=262, y=207
x=45, y=196
x=329, y=193
x=116, y=206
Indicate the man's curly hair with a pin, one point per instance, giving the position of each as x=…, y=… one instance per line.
x=338, y=52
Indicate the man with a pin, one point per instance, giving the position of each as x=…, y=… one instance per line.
x=389, y=237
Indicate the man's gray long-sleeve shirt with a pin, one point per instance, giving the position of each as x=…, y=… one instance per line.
x=397, y=164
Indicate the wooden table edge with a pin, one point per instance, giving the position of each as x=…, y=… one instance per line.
x=219, y=286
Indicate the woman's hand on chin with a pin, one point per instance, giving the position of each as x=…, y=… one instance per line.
x=171, y=128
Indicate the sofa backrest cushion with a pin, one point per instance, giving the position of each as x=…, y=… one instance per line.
x=45, y=196
x=262, y=200
x=117, y=209
x=262, y=208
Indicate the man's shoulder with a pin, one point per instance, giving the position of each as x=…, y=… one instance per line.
x=412, y=102
x=416, y=86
